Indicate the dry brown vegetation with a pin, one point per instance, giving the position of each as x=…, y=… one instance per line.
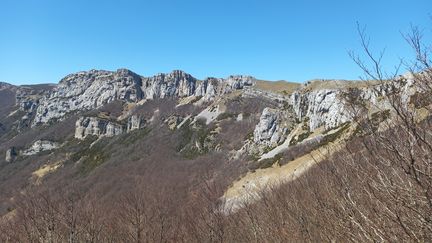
x=377, y=188
x=281, y=86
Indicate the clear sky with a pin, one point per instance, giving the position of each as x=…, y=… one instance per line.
x=43, y=40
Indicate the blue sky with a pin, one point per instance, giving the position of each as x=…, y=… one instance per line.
x=43, y=40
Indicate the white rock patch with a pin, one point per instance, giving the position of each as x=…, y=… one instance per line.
x=209, y=114
x=40, y=146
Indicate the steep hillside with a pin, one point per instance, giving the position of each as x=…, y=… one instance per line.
x=101, y=134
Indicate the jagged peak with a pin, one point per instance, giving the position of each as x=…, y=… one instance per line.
x=90, y=74
x=174, y=74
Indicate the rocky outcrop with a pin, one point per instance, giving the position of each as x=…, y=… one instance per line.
x=40, y=146
x=326, y=107
x=272, y=128
x=11, y=154
x=210, y=114
x=90, y=90
x=240, y=81
x=210, y=88
x=176, y=83
x=322, y=107
x=99, y=127
x=134, y=122
x=27, y=97
x=37, y=147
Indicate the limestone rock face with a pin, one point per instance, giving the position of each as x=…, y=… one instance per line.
x=11, y=154
x=271, y=129
x=40, y=146
x=326, y=107
x=239, y=81
x=322, y=107
x=113, y=129
x=28, y=98
x=134, y=122
x=86, y=126
x=210, y=88
x=176, y=83
x=88, y=90
x=99, y=127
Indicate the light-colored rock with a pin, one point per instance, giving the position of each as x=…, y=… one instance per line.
x=134, y=122
x=86, y=126
x=40, y=146
x=176, y=83
x=185, y=120
x=89, y=90
x=322, y=107
x=282, y=147
x=239, y=81
x=239, y=117
x=272, y=128
x=210, y=113
x=113, y=129
x=266, y=127
x=11, y=154
x=208, y=88
x=99, y=127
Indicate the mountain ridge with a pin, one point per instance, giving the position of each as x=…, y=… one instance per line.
x=102, y=133
x=111, y=104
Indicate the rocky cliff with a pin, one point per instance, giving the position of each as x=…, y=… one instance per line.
x=307, y=107
x=89, y=90
x=322, y=107
x=272, y=128
x=101, y=127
